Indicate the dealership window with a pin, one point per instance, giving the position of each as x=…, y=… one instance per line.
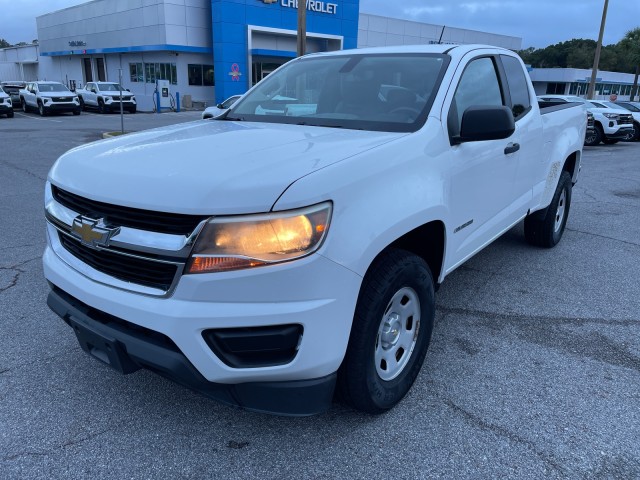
x=160, y=71
x=555, y=88
x=201, y=75
x=135, y=72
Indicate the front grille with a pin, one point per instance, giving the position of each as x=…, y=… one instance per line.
x=129, y=269
x=625, y=120
x=115, y=215
x=62, y=99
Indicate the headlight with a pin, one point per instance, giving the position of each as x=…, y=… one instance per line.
x=46, y=100
x=246, y=241
x=612, y=116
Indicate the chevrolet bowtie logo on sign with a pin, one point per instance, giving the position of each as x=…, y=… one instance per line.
x=91, y=233
x=269, y=1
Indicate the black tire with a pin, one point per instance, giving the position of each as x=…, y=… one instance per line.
x=10, y=114
x=545, y=228
x=101, y=108
x=636, y=132
x=41, y=109
x=133, y=110
x=609, y=141
x=25, y=109
x=396, y=277
x=595, y=138
x=77, y=112
x=82, y=105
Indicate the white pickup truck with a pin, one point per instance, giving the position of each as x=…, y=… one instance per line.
x=268, y=260
x=49, y=97
x=105, y=97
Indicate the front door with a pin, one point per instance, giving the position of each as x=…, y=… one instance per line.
x=482, y=189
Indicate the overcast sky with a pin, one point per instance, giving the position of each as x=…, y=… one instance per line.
x=538, y=22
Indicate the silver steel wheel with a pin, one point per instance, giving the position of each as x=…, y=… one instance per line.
x=562, y=202
x=397, y=333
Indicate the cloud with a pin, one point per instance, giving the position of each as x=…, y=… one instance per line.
x=418, y=11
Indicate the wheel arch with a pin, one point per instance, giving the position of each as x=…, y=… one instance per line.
x=427, y=241
x=572, y=165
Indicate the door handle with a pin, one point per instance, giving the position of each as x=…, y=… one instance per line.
x=511, y=148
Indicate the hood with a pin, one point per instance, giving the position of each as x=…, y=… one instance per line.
x=206, y=167
x=57, y=94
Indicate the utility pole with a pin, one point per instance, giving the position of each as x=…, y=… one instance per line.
x=596, y=59
x=302, y=27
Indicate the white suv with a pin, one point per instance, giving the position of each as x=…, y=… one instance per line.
x=612, y=124
x=48, y=97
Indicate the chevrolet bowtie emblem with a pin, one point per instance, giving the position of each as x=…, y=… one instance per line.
x=91, y=232
x=269, y=1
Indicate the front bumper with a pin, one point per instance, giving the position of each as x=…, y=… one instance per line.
x=618, y=133
x=61, y=107
x=127, y=349
x=313, y=292
x=4, y=108
x=114, y=106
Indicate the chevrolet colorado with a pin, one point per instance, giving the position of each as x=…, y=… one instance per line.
x=290, y=249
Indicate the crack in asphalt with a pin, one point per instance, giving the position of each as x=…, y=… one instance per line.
x=68, y=443
x=17, y=272
x=24, y=170
x=15, y=247
x=479, y=422
x=604, y=236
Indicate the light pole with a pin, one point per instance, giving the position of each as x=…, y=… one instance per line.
x=302, y=27
x=596, y=59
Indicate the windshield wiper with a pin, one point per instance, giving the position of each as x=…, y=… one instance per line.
x=318, y=125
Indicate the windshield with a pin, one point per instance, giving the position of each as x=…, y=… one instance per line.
x=629, y=106
x=52, y=87
x=369, y=92
x=612, y=105
x=109, y=87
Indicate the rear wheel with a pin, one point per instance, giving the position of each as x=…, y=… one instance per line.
x=390, y=334
x=545, y=228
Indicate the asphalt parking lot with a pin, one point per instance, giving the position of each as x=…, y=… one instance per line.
x=533, y=371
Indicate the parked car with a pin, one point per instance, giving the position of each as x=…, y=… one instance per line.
x=613, y=109
x=591, y=125
x=105, y=97
x=6, y=107
x=634, y=108
x=49, y=97
x=13, y=88
x=221, y=108
x=301, y=257
x=611, y=124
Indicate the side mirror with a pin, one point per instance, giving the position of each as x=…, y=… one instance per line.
x=486, y=122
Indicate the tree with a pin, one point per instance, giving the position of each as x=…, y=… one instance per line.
x=4, y=43
x=630, y=45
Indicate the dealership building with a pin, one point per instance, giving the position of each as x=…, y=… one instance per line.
x=208, y=50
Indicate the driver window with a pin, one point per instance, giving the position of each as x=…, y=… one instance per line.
x=479, y=85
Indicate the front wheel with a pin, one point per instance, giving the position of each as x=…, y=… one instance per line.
x=10, y=114
x=611, y=141
x=594, y=138
x=390, y=334
x=41, y=110
x=101, y=107
x=24, y=106
x=545, y=228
